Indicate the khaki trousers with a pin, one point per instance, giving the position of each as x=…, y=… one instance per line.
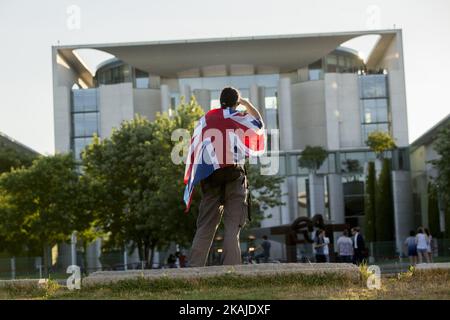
x=234, y=212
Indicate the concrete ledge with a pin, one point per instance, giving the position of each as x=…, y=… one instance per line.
x=347, y=270
x=433, y=266
x=24, y=283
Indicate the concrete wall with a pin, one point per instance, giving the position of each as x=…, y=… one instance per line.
x=147, y=102
x=343, y=115
x=115, y=105
x=403, y=209
x=308, y=114
x=393, y=62
x=63, y=80
x=203, y=97
x=62, y=121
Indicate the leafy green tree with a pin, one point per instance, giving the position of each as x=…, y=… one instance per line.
x=433, y=211
x=379, y=142
x=442, y=147
x=41, y=206
x=369, y=202
x=142, y=189
x=312, y=158
x=384, y=220
x=12, y=158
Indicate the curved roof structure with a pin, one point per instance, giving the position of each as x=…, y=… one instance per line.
x=283, y=53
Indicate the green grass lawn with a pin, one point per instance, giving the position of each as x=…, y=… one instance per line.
x=411, y=285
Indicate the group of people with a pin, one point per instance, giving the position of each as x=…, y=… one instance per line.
x=349, y=249
x=419, y=246
x=177, y=260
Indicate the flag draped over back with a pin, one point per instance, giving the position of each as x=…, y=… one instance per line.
x=221, y=137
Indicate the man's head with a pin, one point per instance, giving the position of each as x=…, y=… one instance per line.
x=229, y=97
x=355, y=230
x=264, y=237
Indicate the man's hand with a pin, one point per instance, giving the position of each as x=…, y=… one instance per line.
x=250, y=108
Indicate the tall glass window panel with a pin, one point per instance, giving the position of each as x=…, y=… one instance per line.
x=85, y=124
x=315, y=70
x=84, y=100
x=79, y=145
x=373, y=86
x=375, y=110
x=141, y=79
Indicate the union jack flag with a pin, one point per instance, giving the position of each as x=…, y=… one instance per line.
x=222, y=137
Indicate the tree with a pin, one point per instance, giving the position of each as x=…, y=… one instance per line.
x=41, y=206
x=379, y=142
x=433, y=211
x=312, y=158
x=442, y=181
x=384, y=220
x=369, y=202
x=142, y=189
x=12, y=158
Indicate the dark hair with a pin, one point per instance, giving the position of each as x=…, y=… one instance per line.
x=427, y=231
x=412, y=233
x=229, y=97
x=264, y=237
x=345, y=233
x=420, y=230
x=319, y=231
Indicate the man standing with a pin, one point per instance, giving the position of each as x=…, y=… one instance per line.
x=265, y=245
x=221, y=141
x=345, y=247
x=359, y=247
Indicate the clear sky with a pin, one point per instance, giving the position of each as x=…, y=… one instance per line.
x=28, y=29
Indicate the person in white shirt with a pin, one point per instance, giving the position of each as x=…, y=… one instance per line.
x=422, y=245
x=345, y=248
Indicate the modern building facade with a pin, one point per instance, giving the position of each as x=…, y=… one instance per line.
x=423, y=172
x=310, y=87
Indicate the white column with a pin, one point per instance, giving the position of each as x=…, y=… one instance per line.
x=293, y=198
x=73, y=248
x=165, y=98
x=13, y=268
x=284, y=217
x=336, y=198
x=285, y=114
x=203, y=97
x=257, y=95
x=316, y=195
x=185, y=90
x=156, y=259
x=332, y=112
x=403, y=209
x=125, y=258
x=254, y=95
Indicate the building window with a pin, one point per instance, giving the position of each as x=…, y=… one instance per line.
x=85, y=119
x=374, y=104
x=315, y=71
x=141, y=80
